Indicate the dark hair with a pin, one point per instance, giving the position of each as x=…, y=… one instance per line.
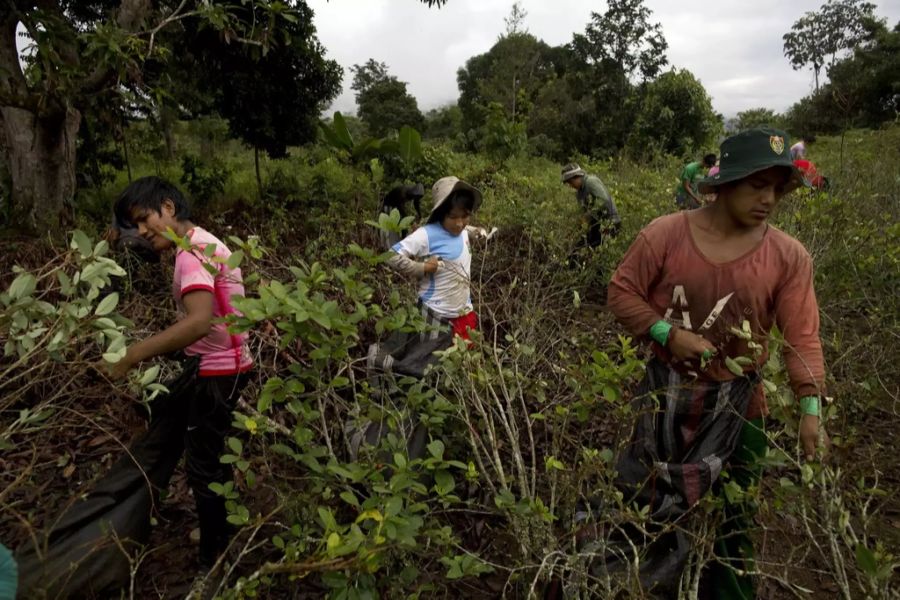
x=149, y=193
x=458, y=199
x=709, y=160
x=809, y=139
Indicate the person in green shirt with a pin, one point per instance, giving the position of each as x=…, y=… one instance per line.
x=596, y=202
x=687, y=195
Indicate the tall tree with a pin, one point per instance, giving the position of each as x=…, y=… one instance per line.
x=757, y=117
x=818, y=37
x=675, y=117
x=510, y=74
x=443, y=123
x=619, y=51
x=516, y=19
x=625, y=37
x=862, y=90
x=90, y=50
x=384, y=103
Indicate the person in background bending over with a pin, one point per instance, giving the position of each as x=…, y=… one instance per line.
x=399, y=198
x=596, y=202
x=687, y=196
x=798, y=150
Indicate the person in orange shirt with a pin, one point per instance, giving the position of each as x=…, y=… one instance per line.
x=706, y=287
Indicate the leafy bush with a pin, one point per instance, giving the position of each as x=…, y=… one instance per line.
x=205, y=181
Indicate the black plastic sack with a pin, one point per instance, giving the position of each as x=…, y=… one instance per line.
x=88, y=548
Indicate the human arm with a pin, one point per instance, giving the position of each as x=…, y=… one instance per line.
x=797, y=316
x=481, y=232
x=409, y=267
x=628, y=300
x=629, y=289
x=407, y=252
x=196, y=324
x=688, y=186
x=689, y=174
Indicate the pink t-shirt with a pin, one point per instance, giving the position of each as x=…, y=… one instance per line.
x=221, y=352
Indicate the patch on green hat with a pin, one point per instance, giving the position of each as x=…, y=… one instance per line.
x=777, y=143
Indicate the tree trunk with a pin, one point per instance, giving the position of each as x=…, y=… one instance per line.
x=167, y=123
x=259, y=185
x=41, y=155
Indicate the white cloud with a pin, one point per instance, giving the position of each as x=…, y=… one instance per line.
x=733, y=46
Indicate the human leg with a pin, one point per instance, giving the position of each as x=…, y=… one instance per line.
x=729, y=576
x=209, y=419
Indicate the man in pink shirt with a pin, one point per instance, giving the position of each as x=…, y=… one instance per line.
x=218, y=361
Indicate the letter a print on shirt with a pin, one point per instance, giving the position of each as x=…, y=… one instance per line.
x=679, y=301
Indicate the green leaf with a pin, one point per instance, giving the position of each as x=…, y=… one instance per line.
x=553, y=463
x=234, y=261
x=349, y=498
x=339, y=382
x=82, y=243
x=733, y=366
x=436, y=449
x=443, y=482
x=327, y=519
x=365, y=148
x=410, y=144
x=65, y=283
x=235, y=444
x=149, y=376
x=399, y=460
x=22, y=286
x=865, y=558
x=342, y=132
x=101, y=248
x=107, y=305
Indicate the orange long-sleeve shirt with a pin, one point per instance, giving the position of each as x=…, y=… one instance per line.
x=665, y=276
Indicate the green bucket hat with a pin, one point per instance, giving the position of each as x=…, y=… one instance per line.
x=749, y=152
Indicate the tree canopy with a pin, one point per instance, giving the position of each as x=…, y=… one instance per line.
x=816, y=39
x=384, y=103
x=675, y=117
x=257, y=63
x=862, y=90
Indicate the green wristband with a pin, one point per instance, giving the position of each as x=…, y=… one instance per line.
x=809, y=405
x=659, y=332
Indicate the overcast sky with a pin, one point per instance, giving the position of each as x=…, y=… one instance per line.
x=733, y=46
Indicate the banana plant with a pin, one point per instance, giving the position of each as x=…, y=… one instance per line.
x=407, y=145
